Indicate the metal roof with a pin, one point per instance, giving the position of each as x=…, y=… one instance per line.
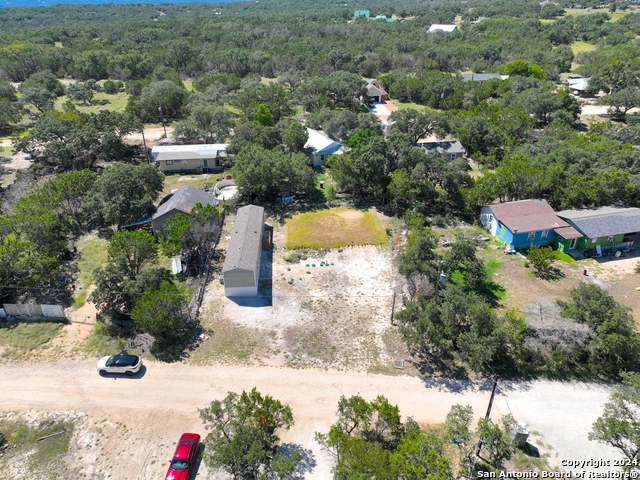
x=481, y=77
x=444, y=146
x=188, y=152
x=444, y=28
x=319, y=143
x=527, y=216
x=245, y=245
x=184, y=199
x=604, y=221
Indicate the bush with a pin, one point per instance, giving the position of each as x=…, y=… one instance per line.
x=637, y=269
x=112, y=87
x=439, y=221
x=295, y=257
x=541, y=258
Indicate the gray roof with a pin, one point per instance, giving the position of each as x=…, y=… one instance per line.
x=479, y=77
x=184, y=199
x=245, y=245
x=448, y=147
x=604, y=221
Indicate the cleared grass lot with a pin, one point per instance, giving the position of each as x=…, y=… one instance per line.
x=334, y=228
x=20, y=339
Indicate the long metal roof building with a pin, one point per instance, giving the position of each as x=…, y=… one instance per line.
x=241, y=270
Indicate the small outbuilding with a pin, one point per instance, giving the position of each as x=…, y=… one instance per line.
x=241, y=270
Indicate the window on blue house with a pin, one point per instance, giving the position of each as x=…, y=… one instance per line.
x=545, y=234
x=530, y=236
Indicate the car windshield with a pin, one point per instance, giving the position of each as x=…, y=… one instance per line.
x=110, y=361
x=179, y=464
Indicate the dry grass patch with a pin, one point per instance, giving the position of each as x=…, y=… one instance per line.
x=334, y=228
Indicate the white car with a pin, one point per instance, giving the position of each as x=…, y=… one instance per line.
x=121, y=363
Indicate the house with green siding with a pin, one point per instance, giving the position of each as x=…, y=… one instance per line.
x=604, y=230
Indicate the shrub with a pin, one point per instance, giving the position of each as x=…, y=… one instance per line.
x=112, y=87
x=295, y=257
x=439, y=221
x=541, y=258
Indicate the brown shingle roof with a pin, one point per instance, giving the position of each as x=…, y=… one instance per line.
x=527, y=216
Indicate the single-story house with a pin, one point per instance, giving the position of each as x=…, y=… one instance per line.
x=436, y=27
x=241, y=270
x=578, y=86
x=319, y=146
x=375, y=91
x=602, y=228
x=181, y=200
x=452, y=148
x=189, y=158
x=523, y=223
x=482, y=77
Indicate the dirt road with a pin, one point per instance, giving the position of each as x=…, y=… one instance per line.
x=159, y=404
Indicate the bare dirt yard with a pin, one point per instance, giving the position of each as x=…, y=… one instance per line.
x=331, y=309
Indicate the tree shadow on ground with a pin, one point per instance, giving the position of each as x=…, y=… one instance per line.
x=307, y=460
x=551, y=274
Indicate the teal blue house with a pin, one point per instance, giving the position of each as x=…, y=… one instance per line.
x=361, y=13
x=524, y=223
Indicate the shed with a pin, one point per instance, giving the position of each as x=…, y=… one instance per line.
x=241, y=270
x=181, y=201
x=612, y=228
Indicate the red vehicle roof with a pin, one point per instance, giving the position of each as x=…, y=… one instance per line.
x=186, y=443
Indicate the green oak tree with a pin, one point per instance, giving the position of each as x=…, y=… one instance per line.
x=619, y=425
x=242, y=438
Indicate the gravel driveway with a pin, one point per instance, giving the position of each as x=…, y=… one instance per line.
x=160, y=404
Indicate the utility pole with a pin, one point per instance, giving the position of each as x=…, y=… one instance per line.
x=146, y=150
x=486, y=417
x=438, y=280
x=162, y=118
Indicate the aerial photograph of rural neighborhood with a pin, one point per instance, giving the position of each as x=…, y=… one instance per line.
x=316, y=239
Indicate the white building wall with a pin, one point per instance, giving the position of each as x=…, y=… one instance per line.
x=241, y=291
x=488, y=219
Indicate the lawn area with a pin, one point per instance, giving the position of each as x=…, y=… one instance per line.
x=334, y=228
x=25, y=337
x=6, y=151
x=578, y=47
x=117, y=103
x=175, y=181
x=521, y=286
x=92, y=254
x=404, y=106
